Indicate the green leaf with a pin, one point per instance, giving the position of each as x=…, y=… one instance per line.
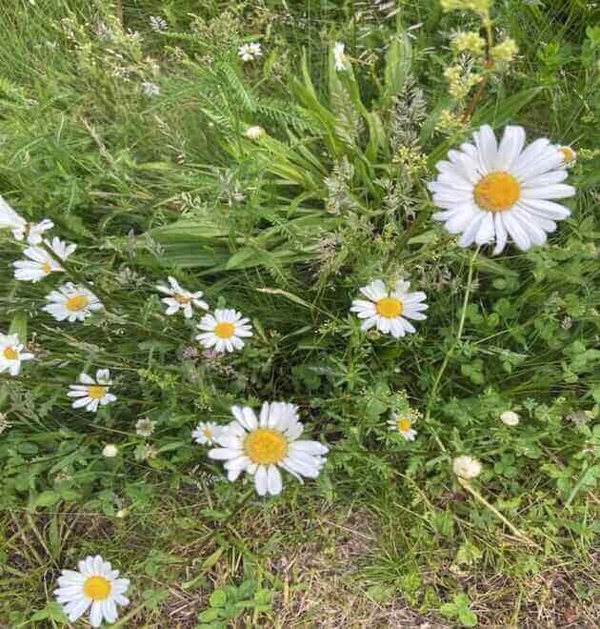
x=503, y=111
x=218, y=598
x=397, y=66
x=18, y=326
x=45, y=499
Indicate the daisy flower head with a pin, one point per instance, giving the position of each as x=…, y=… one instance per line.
x=110, y=451
x=206, y=433
x=72, y=302
x=144, y=427
x=466, y=467
x=509, y=418
x=40, y=262
x=92, y=392
x=94, y=586
x=12, y=354
x=224, y=330
x=263, y=446
x=403, y=423
x=489, y=191
x=339, y=56
x=180, y=299
x=249, y=52
x=389, y=311
x=569, y=156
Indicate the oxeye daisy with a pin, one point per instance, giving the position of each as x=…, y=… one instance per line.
x=41, y=262
x=12, y=354
x=403, y=423
x=224, y=330
x=389, y=311
x=249, y=52
x=72, y=302
x=144, y=427
x=180, y=299
x=92, y=392
x=262, y=446
x=489, y=191
x=206, y=433
x=95, y=586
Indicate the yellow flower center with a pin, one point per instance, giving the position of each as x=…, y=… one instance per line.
x=265, y=446
x=497, y=192
x=207, y=432
x=568, y=153
x=96, y=392
x=403, y=424
x=46, y=268
x=182, y=299
x=10, y=353
x=96, y=588
x=224, y=330
x=389, y=307
x=76, y=303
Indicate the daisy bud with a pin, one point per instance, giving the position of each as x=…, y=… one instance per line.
x=110, y=451
x=466, y=466
x=510, y=418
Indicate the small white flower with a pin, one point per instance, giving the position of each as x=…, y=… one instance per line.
x=12, y=354
x=41, y=262
x=489, y=191
x=144, y=427
x=403, y=423
x=94, y=586
x=250, y=52
x=206, y=433
x=150, y=89
x=224, y=330
x=72, y=302
x=389, y=311
x=255, y=132
x=20, y=227
x=261, y=447
x=91, y=393
x=180, y=299
x=510, y=418
x=157, y=23
x=110, y=451
x=339, y=56
x=466, y=466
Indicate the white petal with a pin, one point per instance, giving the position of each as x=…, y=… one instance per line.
x=260, y=480
x=274, y=482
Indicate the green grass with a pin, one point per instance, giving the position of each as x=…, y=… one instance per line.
x=286, y=230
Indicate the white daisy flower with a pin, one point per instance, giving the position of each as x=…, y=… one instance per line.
x=12, y=354
x=72, y=302
x=466, y=466
x=95, y=586
x=260, y=447
x=41, y=262
x=180, y=299
x=90, y=392
x=389, y=311
x=509, y=418
x=144, y=427
x=489, y=191
x=249, y=52
x=110, y=451
x=224, y=330
x=206, y=433
x=255, y=132
x=10, y=219
x=403, y=423
x=339, y=56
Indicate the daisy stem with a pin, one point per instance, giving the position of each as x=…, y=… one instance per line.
x=466, y=485
x=452, y=348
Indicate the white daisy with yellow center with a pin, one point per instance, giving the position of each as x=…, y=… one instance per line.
x=224, y=330
x=403, y=423
x=12, y=354
x=72, y=302
x=180, y=299
x=206, y=433
x=389, y=311
x=95, y=586
x=262, y=446
x=41, y=262
x=250, y=52
x=91, y=393
x=489, y=191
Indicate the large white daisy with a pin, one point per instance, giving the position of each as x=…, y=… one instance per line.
x=72, y=302
x=92, y=392
x=180, y=299
x=224, y=330
x=95, y=586
x=41, y=262
x=389, y=311
x=261, y=446
x=12, y=354
x=489, y=191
